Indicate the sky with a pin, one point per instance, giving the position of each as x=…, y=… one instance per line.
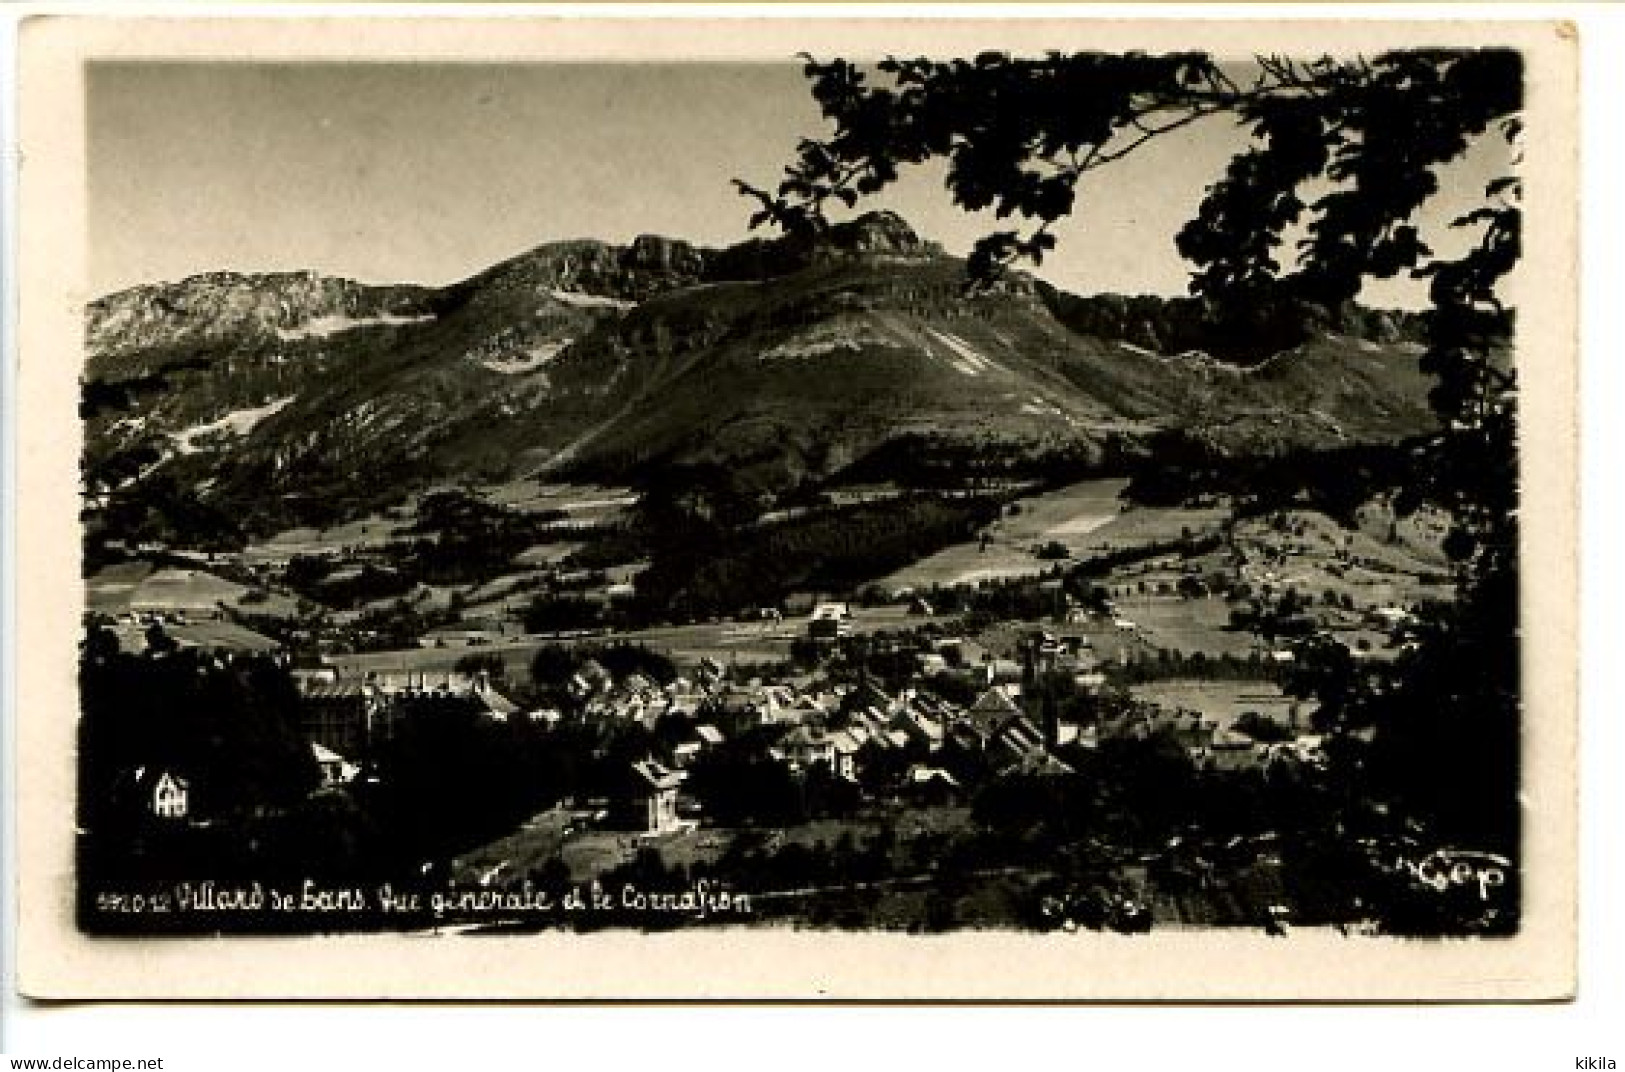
x=428, y=173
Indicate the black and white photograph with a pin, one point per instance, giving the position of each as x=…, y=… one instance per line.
x=872, y=486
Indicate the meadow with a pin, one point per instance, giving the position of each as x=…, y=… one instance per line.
x=1224, y=701
x=1083, y=518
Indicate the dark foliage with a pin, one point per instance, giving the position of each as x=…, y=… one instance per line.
x=702, y=569
x=553, y=665
x=935, y=460
x=1335, y=481
x=451, y=779
x=549, y=613
x=162, y=510
x=739, y=784
x=1179, y=326
x=228, y=726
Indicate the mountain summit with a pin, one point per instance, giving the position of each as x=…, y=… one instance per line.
x=875, y=234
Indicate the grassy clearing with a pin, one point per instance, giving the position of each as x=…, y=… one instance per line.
x=583, y=502
x=500, y=591
x=1315, y=554
x=271, y=604
x=546, y=554
x=1224, y=701
x=533, y=844
x=1109, y=643
x=140, y=587
x=1068, y=515
x=373, y=531
x=1188, y=625
x=1085, y=518
x=1154, y=524
x=204, y=634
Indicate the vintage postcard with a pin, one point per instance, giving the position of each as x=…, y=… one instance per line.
x=753, y=507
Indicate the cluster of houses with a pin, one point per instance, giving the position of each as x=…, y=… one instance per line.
x=915, y=746
x=344, y=718
x=910, y=744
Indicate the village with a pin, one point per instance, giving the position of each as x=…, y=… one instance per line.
x=688, y=762
x=1114, y=660
x=911, y=743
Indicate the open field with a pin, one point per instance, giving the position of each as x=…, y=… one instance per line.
x=111, y=588
x=1108, y=643
x=536, y=841
x=138, y=586
x=509, y=590
x=583, y=502
x=203, y=634
x=1314, y=554
x=1421, y=534
x=1187, y=625
x=911, y=894
x=1068, y=515
x=546, y=554
x=368, y=532
x=741, y=642
x=270, y=603
x=1084, y=518
x=1224, y=701
x=1139, y=525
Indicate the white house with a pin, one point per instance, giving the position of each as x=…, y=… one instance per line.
x=829, y=620
x=657, y=792
x=170, y=796
x=336, y=770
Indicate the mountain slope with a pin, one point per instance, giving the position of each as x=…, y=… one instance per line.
x=293, y=396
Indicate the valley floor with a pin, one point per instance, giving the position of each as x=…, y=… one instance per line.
x=1148, y=615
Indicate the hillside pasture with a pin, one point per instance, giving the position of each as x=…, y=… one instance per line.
x=372, y=531
x=546, y=554
x=513, y=857
x=1069, y=516
x=111, y=588
x=587, y=504
x=583, y=502
x=1107, y=642
x=1085, y=518
x=505, y=593
x=1141, y=525
x=1309, y=551
x=207, y=634
x=589, y=853
x=139, y=587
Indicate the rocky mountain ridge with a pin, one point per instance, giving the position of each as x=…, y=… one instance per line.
x=786, y=360
x=213, y=307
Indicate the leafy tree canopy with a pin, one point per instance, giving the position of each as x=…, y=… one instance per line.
x=1019, y=134
x=1342, y=151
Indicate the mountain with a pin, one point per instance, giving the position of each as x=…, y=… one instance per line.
x=790, y=361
